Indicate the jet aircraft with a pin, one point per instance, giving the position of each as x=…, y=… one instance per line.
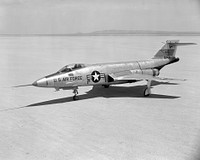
x=73, y=76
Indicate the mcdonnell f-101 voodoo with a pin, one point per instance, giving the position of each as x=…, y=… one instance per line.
x=75, y=75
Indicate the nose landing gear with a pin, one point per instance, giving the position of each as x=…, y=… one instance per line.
x=75, y=97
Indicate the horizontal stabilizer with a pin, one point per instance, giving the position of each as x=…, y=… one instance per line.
x=181, y=44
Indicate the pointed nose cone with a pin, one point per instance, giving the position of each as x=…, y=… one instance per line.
x=35, y=83
x=40, y=83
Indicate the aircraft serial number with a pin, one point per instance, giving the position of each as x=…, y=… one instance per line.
x=75, y=78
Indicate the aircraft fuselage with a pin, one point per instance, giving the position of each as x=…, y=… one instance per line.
x=98, y=74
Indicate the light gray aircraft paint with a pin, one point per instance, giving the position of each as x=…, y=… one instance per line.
x=74, y=75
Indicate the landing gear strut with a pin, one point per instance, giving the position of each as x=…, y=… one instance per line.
x=147, y=91
x=75, y=97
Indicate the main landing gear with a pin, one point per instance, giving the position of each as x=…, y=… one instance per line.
x=106, y=86
x=75, y=97
x=147, y=91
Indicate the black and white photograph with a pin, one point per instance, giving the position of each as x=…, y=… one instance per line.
x=99, y=79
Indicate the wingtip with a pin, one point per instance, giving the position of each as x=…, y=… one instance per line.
x=193, y=43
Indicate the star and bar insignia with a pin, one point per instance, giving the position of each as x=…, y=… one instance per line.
x=95, y=76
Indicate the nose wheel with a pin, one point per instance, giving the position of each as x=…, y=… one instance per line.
x=147, y=91
x=75, y=97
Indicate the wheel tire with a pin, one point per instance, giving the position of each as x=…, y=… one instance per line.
x=146, y=93
x=75, y=98
x=106, y=86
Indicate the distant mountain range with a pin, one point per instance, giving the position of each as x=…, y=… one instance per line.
x=139, y=32
x=117, y=33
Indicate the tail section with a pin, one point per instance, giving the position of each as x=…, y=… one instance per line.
x=169, y=49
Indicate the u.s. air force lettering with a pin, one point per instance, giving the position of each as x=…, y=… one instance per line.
x=73, y=78
x=95, y=76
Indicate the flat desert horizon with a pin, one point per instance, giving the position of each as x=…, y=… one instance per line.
x=105, y=124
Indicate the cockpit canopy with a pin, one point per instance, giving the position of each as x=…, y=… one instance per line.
x=71, y=67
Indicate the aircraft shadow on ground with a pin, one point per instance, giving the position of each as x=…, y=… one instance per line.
x=111, y=92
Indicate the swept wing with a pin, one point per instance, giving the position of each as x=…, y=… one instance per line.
x=139, y=77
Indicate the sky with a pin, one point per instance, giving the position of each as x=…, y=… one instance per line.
x=71, y=16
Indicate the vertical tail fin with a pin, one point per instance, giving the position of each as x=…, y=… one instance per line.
x=169, y=49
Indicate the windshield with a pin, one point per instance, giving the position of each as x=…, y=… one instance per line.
x=71, y=67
